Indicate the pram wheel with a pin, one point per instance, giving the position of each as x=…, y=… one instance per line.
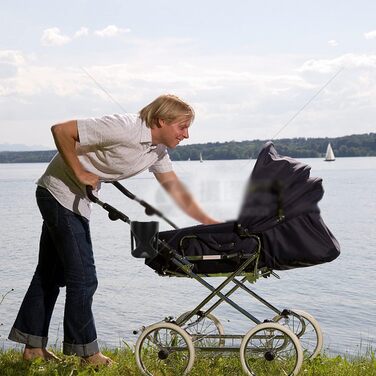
x=205, y=330
x=271, y=349
x=164, y=347
x=306, y=328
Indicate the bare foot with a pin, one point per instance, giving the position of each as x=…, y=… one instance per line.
x=98, y=359
x=31, y=353
x=49, y=355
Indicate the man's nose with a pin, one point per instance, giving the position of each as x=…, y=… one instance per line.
x=185, y=133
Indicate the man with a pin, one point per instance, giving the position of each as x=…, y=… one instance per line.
x=91, y=151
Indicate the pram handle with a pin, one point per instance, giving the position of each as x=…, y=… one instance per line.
x=113, y=213
x=90, y=195
x=149, y=210
x=124, y=190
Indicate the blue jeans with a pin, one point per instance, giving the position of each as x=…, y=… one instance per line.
x=65, y=259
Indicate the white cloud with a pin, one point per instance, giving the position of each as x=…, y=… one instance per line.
x=82, y=32
x=111, y=31
x=10, y=62
x=257, y=93
x=43, y=80
x=343, y=61
x=333, y=43
x=53, y=37
x=13, y=57
x=370, y=35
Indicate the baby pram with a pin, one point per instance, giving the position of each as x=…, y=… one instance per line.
x=279, y=227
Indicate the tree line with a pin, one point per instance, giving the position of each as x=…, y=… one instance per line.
x=361, y=145
x=347, y=146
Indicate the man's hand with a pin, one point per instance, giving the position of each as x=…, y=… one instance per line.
x=87, y=178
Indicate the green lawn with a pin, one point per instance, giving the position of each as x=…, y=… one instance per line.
x=11, y=364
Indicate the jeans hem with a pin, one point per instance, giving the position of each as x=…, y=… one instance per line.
x=84, y=350
x=28, y=339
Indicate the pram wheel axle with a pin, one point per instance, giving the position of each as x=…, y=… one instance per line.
x=163, y=354
x=135, y=332
x=269, y=356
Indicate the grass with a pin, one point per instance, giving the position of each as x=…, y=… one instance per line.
x=11, y=364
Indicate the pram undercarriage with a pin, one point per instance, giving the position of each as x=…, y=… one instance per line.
x=275, y=346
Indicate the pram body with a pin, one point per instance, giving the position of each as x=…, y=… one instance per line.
x=280, y=207
x=279, y=227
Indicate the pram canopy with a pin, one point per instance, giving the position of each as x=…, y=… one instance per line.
x=280, y=206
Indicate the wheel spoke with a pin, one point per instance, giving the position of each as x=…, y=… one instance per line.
x=205, y=330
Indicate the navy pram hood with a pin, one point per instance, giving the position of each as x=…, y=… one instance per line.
x=281, y=203
x=279, y=188
x=280, y=206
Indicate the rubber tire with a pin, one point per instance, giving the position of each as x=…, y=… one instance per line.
x=164, y=325
x=316, y=326
x=274, y=326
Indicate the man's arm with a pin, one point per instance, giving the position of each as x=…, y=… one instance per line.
x=171, y=183
x=66, y=136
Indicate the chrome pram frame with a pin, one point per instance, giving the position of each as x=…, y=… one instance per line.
x=279, y=348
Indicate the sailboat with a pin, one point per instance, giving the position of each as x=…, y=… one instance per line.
x=201, y=160
x=329, y=156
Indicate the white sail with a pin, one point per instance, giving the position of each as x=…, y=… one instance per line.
x=329, y=156
x=201, y=160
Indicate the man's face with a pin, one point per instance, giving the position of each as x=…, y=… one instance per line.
x=171, y=134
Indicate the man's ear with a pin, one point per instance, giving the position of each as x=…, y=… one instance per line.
x=160, y=123
x=155, y=124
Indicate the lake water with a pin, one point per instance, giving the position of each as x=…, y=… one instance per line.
x=341, y=295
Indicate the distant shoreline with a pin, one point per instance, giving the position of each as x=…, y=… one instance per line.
x=363, y=145
x=196, y=160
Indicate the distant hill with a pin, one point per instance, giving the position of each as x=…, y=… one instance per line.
x=347, y=146
x=40, y=156
x=362, y=145
x=21, y=147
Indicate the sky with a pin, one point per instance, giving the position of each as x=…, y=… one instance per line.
x=247, y=67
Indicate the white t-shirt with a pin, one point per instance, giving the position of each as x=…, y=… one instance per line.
x=113, y=147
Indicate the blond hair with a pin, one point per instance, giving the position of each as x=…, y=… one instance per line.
x=168, y=108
